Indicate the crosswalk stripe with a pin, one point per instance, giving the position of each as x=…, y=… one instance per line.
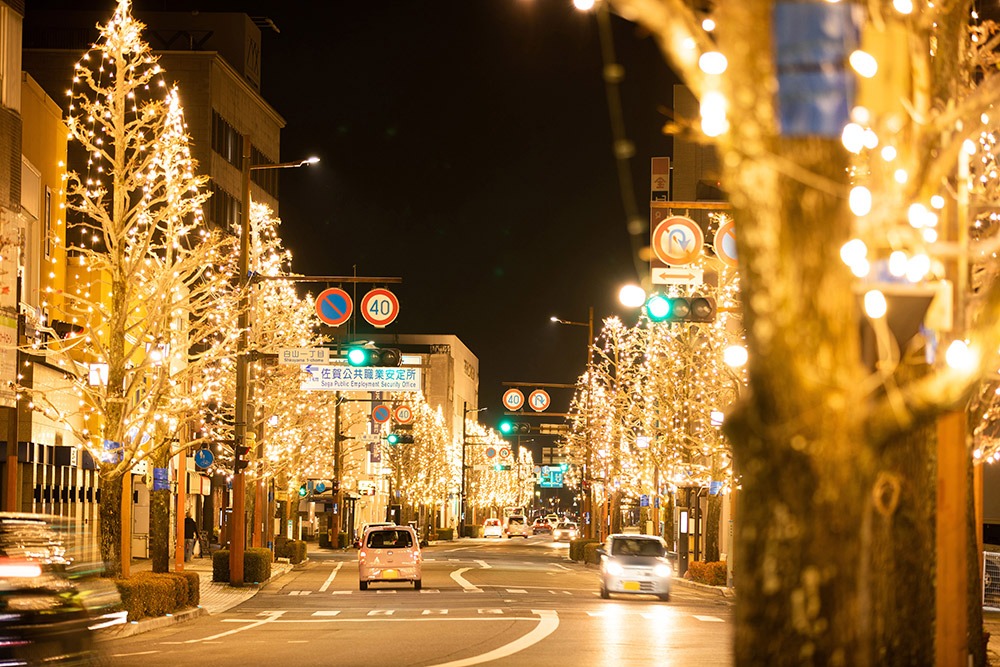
x=708, y=619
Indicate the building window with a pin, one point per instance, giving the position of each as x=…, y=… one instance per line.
x=226, y=141
x=224, y=209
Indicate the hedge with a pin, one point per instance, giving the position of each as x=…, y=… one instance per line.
x=576, y=547
x=590, y=553
x=158, y=593
x=473, y=531
x=445, y=534
x=256, y=565
x=713, y=574
x=294, y=550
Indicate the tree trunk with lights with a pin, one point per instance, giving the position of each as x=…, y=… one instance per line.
x=110, y=533
x=159, y=516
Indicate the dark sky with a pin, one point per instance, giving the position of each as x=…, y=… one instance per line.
x=466, y=148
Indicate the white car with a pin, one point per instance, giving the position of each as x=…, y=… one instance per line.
x=517, y=525
x=492, y=528
x=565, y=531
x=391, y=554
x=635, y=564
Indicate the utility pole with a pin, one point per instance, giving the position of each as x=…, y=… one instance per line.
x=337, y=494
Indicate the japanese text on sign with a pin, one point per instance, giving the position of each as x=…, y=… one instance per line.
x=377, y=378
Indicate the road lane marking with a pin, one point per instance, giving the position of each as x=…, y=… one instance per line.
x=299, y=592
x=548, y=621
x=326, y=613
x=483, y=564
x=709, y=619
x=329, y=580
x=516, y=590
x=382, y=612
x=461, y=581
x=249, y=624
x=561, y=567
x=428, y=612
x=128, y=655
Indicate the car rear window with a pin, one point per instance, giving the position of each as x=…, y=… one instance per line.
x=389, y=539
x=627, y=547
x=564, y=526
x=515, y=519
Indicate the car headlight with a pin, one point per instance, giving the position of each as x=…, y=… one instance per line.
x=663, y=570
x=613, y=568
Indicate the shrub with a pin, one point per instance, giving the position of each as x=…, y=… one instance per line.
x=445, y=534
x=294, y=550
x=713, y=574
x=590, y=553
x=256, y=565
x=576, y=547
x=154, y=593
x=473, y=531
x=193, y=581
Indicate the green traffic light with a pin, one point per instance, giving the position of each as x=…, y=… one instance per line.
x=506, y=427
x=392, y=438
x=303, y=491
x=659, y=308
x=358, y=356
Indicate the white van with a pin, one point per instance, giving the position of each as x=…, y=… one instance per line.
x=517, y=524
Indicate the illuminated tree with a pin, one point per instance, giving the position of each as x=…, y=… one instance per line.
x=143, y=279
x=497, y=481
x=883, y=158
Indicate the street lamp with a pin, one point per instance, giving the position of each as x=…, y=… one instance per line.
x=588, y=526
x=237, y=532
x=461, y=509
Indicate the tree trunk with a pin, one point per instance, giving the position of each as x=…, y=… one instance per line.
x=159, y=517
x=712, y=517
x=111, y=521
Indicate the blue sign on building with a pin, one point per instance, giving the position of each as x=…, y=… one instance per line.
x=161, y=479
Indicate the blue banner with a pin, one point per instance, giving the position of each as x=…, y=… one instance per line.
x=161, y=479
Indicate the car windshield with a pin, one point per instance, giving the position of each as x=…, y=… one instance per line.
x=566, y=526
x=636, y=547
x=388, y=539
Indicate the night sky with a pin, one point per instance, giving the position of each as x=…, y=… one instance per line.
x=466, y=148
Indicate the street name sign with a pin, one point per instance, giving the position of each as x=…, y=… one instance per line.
x=316, y=377
x=308, y=355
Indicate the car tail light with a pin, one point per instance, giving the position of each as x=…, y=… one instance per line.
x=361, y=555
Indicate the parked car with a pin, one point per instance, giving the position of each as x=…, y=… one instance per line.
x=565, y=531
x=635, y=564
x=541, y=526
x=492, y=528
x=389, y=553
x=517, y=525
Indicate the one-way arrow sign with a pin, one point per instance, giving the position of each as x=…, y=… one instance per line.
x=686, y=275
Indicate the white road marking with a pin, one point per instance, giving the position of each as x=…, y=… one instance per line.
x=561, y=567
x=342, y=592
x=298, y=641
x=384, y=592
x=548, y=621
x=709, y=619
x=460, y=580
x=326, y=613
x=127, y=655
x=428, y=612
x=382, y=612
x=329, y=580
x=251, y=624
x=516, y=590
x=299, y=592
x=483, y=564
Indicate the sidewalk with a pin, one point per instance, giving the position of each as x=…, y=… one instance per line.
x=215, y=597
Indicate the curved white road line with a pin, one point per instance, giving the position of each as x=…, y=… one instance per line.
x=461, y=581
x=329, y=580
x=548, y=621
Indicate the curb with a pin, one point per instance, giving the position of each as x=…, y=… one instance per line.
x=146, y=624
x=723, y=591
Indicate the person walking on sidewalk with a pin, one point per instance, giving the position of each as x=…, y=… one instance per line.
x=190, y=534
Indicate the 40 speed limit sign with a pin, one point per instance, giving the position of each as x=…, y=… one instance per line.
x=380, y=307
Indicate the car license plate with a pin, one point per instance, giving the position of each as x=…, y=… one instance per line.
x=631, y=585
x=393, y=574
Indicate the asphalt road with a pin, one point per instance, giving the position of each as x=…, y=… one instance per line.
x=496, y=602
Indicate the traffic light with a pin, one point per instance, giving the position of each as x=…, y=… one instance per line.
x=510, y=427
x=399, y=438
x=303, y=491
x=239, y=457
x=663, y=308
x=366, y=355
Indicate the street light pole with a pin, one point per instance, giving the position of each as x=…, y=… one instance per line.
x=237, y=529
x=462, y=506
x=588, y=462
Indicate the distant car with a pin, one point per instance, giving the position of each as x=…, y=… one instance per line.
x=492, y=528
x=635, y=564
x=565, y=531
x=366, y=526
x=540, y=526
x=517, y=525
x=391, y=554
x=553, y=520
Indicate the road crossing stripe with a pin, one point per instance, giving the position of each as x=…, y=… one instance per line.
x=326, y=613
x=709, y=619
x=516, y=590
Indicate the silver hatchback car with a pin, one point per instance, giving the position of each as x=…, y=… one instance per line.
x=635, y=564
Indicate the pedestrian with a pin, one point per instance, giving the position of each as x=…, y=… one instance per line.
x=190, y=534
